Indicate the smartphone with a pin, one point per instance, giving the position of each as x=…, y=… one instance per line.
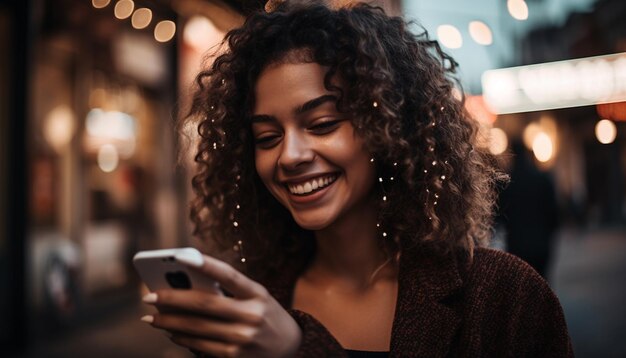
x=159, y=270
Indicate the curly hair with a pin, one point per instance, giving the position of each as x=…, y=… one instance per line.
x=397, y=87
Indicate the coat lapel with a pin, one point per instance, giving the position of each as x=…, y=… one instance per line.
x=426, y=321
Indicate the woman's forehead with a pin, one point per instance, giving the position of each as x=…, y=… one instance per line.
x=288, y=84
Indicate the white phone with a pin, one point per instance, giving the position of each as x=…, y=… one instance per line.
x=159, y=269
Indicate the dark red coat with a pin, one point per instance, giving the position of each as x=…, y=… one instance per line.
x=497, y=306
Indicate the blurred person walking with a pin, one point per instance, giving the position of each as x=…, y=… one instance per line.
x=528, y=211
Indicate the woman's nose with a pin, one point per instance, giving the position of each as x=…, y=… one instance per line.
x=296, y=151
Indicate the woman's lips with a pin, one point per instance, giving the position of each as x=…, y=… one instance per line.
x=313, y=195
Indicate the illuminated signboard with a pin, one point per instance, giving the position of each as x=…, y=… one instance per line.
x=562, y=84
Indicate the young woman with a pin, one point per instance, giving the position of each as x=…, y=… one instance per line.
x=336, y=160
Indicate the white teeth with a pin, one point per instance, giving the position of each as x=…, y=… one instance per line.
x=311, y=185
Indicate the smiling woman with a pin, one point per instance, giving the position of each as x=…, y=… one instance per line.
x=333, y=151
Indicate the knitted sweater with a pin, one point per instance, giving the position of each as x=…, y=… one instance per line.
x=497, y=306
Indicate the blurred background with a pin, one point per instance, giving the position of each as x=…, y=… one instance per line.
x=89, y=94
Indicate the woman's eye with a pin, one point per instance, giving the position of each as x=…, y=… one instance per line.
x=325, y=127
x=267, y=141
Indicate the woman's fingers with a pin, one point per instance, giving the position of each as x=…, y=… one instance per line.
x=231, y=279
x=246, y=311
x=213, y=348
x=203, y=329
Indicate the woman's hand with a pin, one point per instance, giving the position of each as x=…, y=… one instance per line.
x=250, y=324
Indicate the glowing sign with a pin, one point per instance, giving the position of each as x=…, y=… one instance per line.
x=562, y=84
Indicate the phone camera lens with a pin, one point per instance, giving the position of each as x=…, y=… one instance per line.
x=178, y=279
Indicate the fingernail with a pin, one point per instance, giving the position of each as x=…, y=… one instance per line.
x=150, y=298
x=148, y=318
x=191, y=258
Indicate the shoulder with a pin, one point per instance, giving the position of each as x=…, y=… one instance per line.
x=491, y=264
x=498, y=276
x=508, y=296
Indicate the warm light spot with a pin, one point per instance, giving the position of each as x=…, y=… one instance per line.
x=477, y=107
x=543, y=147
x=498, y=141
x=530, y=133
x=141, y=18
x=199, y=33
x=124, y=8
x=164, y=31
x=606, y=131
x=449, y=36
x=518, y=9
x=99, y=4
x=108, y=158
x=480, y=32
x=59, y=127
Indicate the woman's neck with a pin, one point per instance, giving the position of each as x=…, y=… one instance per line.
x=348, y=251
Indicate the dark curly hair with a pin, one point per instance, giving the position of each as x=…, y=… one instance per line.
x=398, y=89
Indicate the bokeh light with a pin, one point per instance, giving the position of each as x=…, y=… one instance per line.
x=530, y=133
x=59, y=127
x=197, y=33
x=99, y=4
x=124, y=8
x=108, y=158
x=141, y=18
x=481, y=33
x=606, y=131
x=518, y=9
x=164, y=31
x=449, y=36
x=498, y=141
x=543, y=147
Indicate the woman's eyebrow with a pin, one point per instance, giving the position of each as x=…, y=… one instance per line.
x=309, y=105
x=305, y=107
x=261, y=118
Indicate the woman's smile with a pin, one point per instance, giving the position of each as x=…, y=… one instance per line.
x=312, y=185
x=311, y=191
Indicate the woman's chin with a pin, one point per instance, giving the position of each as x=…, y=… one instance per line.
x=312, y=224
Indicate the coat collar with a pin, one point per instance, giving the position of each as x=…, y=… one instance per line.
x=425, y=321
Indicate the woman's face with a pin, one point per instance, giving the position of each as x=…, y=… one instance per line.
x=307, y=153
